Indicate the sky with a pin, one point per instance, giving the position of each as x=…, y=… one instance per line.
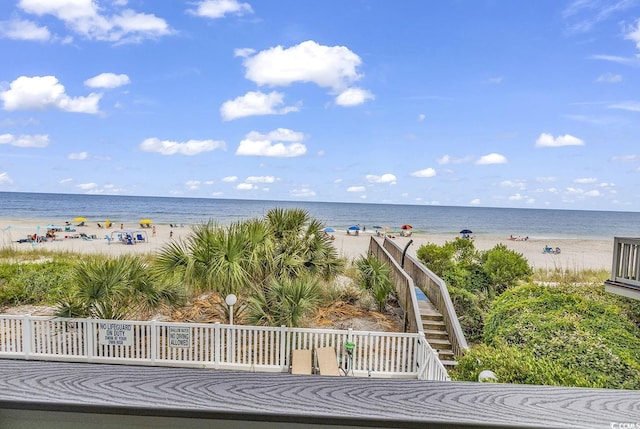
x=493, y=103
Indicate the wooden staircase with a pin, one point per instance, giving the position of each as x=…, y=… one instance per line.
x=436, y=333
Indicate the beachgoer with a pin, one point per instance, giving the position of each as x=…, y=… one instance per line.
x=170, y=234
x=153, y=231
x=122, y=226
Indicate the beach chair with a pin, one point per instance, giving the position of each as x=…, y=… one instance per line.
x=139, y=237
x=327, y=361
x=108, y=238
x=301, y=362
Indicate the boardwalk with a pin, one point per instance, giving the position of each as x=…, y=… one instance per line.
x=182, y=397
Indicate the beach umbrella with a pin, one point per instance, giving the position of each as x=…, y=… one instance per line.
x=354, y=228
x=466, y=231
x=376, y=227
x=146, y=221
x=79, y=219
x=329, y=229
x=406, y=227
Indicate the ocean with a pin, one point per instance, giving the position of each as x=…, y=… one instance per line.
x=538, y=223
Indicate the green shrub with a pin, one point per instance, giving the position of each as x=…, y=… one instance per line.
x=375, y=276
x=34, y=283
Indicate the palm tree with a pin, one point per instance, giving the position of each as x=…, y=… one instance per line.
x=375, y=276
x=117, y=288
x=284, y=302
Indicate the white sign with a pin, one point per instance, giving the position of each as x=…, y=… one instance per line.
x=115, y=334
x=179, y=336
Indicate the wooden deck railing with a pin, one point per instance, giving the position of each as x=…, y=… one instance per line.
x=626, y=261
x=219, y=346
x=436, y=290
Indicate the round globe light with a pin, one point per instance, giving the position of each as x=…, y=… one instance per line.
x=487, y=376
x=231, y=299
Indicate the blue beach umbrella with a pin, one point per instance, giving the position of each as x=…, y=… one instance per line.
x=354, y=228
x=329, y=229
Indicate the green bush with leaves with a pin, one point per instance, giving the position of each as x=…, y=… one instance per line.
x=375, y=277
x=578, y=328
x=34, y=283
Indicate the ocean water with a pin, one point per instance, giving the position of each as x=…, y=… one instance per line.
x=538, y=223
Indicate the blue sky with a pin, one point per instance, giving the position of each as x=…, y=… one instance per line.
x=532, y=103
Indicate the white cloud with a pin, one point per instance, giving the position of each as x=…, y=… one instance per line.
x=385, y=178
x=356, y=189
x=353, y=97
x=191, y=147
x=255, y=103
x=492, y=158
x=520, y=184
x=609, y=78
x=230, y=179
x=547, y=140
x=192, y=185
x=260, y=179
x=475, y=202
x=593, y=193
x=23, y=30
x=516, y=197
x=632, y=106
x=108, y=21
x=422, y=117
x=585, y=180
x=65, y=181
x=633, y=34
x=107, y=80
x=427, y=172
x=42, y=92
x=547, y=179
x=78, y=156
x=5, y=179
x=246, y=186
x=302, y=193
x=446, y=159
x=25, y=140
x=87, y=186
x=332, y=67
x=273, y=144
x=219, y=8
x=626, y=158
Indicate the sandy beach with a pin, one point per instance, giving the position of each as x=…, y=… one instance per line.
x=575, y=255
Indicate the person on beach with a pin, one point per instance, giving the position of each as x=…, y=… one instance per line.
x=153, y=231
x=171, y=234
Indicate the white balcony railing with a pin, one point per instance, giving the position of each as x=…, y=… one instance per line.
x=218, y=346
x=626, y=261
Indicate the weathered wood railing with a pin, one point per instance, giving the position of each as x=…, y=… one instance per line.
x=626, y=261
x=436, y=290
x=219, y=346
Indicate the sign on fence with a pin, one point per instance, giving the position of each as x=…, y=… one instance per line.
x=179, y=336
x=115, y=334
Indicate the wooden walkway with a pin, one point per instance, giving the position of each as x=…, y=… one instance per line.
x=69, y=395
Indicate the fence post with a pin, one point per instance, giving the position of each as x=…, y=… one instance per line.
x=283, y=348
x=26, y=336
x=154, y=342
x=217, y=347
x=90, y=338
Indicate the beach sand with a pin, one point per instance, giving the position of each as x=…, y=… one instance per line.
x=575, y=255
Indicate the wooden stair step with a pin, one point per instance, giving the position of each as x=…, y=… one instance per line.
x=434, y=325
x=440, y=343
x=436, y=334
x=449, y=363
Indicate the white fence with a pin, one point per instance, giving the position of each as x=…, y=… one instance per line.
x=237, y=347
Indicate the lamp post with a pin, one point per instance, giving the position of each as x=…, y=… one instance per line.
x=231, y=300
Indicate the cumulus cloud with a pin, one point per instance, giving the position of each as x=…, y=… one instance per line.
x=219, y=8
x=246, y=186
x=302, y=193
x=585, y=180
x=475, y=202
x=43, y=92
x=255, y=103
x=446, y=159
x=520, y=184
x=192, y=185
x=545, y=179
x=385, y=178
x=230, y=179
x=353, y=97
x=107, y=80
x=191, y=147
x=260, y=179
x=593, y=193
x=87, y=186
x=492, y=158
x=280, y=143
x=422, y=117
x=109, y=21
x=5, y=179
x=547, y=140
x=80, y=156
x=356, y=189
x=25, y=140
x=427, y=172
x=19, y=29
x=333, y=67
